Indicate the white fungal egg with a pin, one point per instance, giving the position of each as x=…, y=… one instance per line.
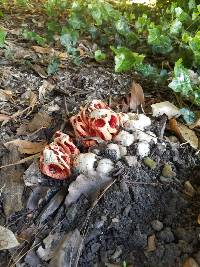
x=105, y=166
x=148, y=136
x=123, y=150
x=143, y=149
x=84, y=163
x=124, y=138
x=166, y=108
x=139, y=122
x=116, y=148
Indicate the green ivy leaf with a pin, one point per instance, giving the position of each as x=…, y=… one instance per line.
x=125, y=59
x=32, y=36
x=146, y=70
x=53, y=66
x=161, y=43
x=181, y=81
x=69, y=39
x=181, y=14
x=99, y=56
x=176, y=27
x=2, y=38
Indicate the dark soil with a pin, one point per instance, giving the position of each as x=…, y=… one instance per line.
x=140, y=205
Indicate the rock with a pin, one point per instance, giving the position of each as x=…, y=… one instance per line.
x=168, y=172
x=166, y=235
x=150, y=163
x=131, y=161
x=190, y=262
x=157, y=225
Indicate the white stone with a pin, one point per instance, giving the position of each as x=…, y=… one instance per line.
x=166, y=108
x=143, y=149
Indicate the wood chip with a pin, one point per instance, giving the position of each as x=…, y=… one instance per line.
x=151, y=243
x=26, y=147
x=7, y=239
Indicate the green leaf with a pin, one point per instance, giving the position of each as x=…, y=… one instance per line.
x=69, y=40
x=125, y=59
x=122, y=26
x=53, y=66
x=181, y=81
x=99, y=56
x=176, y=27
x=192, y=4
x=142, y=23
x=32, y=36
x=188, y=115
x=75, y=21
x=2, y=38
x=181, y=14
x=146, y=70
x=161, y=43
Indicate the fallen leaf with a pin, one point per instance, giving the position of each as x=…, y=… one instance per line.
x=137, y=96
x=40, y=120
x=6, y=95
x=26, y=147
x=184, y=133
x=7, y=239
x=166, y=108
x=189, y=189
x=44, y=88
x=151, y=243
x=198, y=219
x=4, y=117
x=196, y=124
x=42, y=50
x=67, y=251
x=39, y=70
x=190, y=262
x=11, y=179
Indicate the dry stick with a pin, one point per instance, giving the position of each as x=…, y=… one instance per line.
x=85, y=230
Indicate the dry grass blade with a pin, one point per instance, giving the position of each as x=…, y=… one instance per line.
x=35, y=156
x=85, y=230
x=26, y=147
x=4, y=117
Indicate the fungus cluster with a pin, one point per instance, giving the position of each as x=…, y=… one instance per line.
x=96, y=120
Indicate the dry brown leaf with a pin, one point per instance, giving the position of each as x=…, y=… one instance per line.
x=4, y=117
x=40, y=120
x=198, y=219
x=189, y=189
x=196, y=124
x=137, y=96
x=44, y=88
x=151, y=243
x=42, y=50
x=190, y=262
x=7, y=239
x=6, y=95
x=26, y=147
x=39, y=70
x=184, y=133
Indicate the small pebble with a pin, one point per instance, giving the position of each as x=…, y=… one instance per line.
x=166, y=235
x=131, y=161
x=157, y=225
x=150, y=163
x=165, y=180
x=168, y=172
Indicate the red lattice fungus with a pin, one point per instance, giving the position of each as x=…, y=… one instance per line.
x=96, y=120
x=57, y=158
